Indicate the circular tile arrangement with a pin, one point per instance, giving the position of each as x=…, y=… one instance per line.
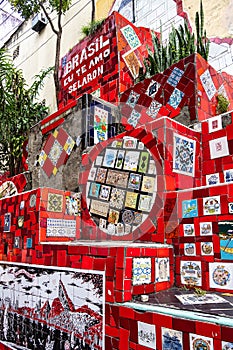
x=122, y=186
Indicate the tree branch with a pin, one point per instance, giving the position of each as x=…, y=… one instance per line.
x=48, y=18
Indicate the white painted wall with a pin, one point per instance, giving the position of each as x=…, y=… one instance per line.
x=37, y=51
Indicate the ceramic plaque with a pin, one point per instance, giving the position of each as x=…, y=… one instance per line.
x=141, y=271
x=198, y=342
x=171, y=339
x=184, y=150
x=191, y=273
x=211, y=205
x=219, y=147
x=220, y=275
x=146, y=335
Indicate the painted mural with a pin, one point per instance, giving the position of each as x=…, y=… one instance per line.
x=51, y=308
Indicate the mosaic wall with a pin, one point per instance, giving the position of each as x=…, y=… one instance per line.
x=83, y=69
x=186, y=91
x=51, y=308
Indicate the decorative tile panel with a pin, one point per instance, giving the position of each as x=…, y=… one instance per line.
x=100, y=125
x=162, y=269
x=208, y=84
x=175, y=98
x=200, y=342
x=191, y=273
x=184, y=152
x=211, y=205
x=171, y=339
x=141, y=271
x=189, y=208
x=220, y=275
x=146, y=335
x=61, y=228
x=56, y=151
x=175, y=76
x=218, y=147
x=59, y=298
x=131, y=37
x=55, y=202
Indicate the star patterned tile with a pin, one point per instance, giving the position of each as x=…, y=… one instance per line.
x=56, y=151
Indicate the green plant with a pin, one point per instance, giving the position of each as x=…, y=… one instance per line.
x=181, y=43
x=222, y=104
x=28, y=8
x=202, y=44
x=19, y=110
x=92, y=27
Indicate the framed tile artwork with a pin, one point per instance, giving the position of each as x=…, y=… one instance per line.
x=132, y=62
x=220, y=275
x=211, y=205
x=162, y=269
x=60, y=228
x=55, y=202
x=148, y=184
x=191, y=273
x=207, y=248
x=121, y=190
x=225, y=232
x=134, y=181
x=184, y=151
x=175, y=76
x=100, y=174
x=230, y=207
x=189, y=208
x=110, y=158
x=131, y=37
x=120, y=159
x=152, y=88
x=131, y=199
x=145, y=203
x=228, y=175
x=175, y=98
x=117, y=178
x=131, y=160
x=100, y=125
x=79, y=297
x=105, y=192
x=8, y=189
x=56, y=151
x=132, y=99
x=197, y=342
x=189, y=249
x=189, y=230
x=227, y=345
x=219, y=147
x=193, y=299
x=141, y=271
x=206, y=229
x=215, y=123
x=117, y=198
x=7, y=222
x=146, y=335
x=208, y=84
x=212, y=179
x=73, y=204
x=171, y=339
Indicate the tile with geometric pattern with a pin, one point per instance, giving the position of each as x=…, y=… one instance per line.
x=56, y=151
